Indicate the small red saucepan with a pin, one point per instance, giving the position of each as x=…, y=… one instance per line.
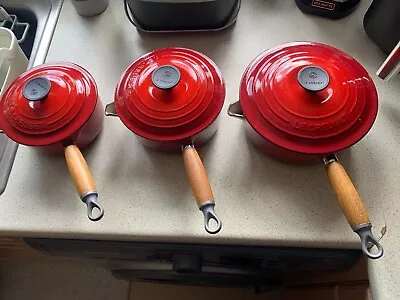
x=171, y=99
x=305, y=101
x=56, y=109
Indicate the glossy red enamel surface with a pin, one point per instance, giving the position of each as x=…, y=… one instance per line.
x=291, y=117
x=68, y=106
x=175, y=114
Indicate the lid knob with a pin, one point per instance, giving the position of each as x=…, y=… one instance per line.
x=313, y=78
x=166, y=77
x=36, y=89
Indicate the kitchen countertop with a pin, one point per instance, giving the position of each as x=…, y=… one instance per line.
x=261, y=202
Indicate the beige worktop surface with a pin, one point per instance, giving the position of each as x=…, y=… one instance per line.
x=145, y=193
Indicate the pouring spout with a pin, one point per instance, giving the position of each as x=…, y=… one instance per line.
x=235, y=110
x=111, y=110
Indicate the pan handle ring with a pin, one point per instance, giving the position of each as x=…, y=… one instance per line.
x=209, y=214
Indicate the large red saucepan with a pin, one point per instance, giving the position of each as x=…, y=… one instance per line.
x=171, y=99
x=55, y=108
x=305, y=101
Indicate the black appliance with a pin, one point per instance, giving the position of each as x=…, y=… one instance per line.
x=181, y=15
x=198, y=264
x=382, y=23
x=333, y=9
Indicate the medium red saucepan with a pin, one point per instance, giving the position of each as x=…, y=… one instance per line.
x=305, y=101
x=55, y=108
x=171, y=99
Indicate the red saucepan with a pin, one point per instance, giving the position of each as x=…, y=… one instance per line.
x=305, y=101
x=171, y=99
x=56, y=109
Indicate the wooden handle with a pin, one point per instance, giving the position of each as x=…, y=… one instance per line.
x=197, y=176
x=79, y=170
x=346, y=194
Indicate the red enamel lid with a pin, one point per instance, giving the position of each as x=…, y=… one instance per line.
x=309, y=98
x=47, y=104
x=170, y=94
